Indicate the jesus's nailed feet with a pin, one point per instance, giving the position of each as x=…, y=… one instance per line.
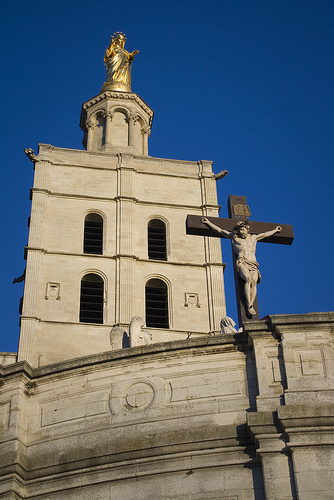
x=251, y=311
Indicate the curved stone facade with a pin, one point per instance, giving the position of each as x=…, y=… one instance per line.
x=248, y=416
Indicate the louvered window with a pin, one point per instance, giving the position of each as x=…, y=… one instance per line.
x=93, y=234
x=157, y=248
x=156, y=295
x=91, y=299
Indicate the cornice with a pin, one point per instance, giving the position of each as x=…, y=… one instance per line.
x=114, y=257
x=132, y=199
x=48, y=148
x=126, y=96
x=203, y=341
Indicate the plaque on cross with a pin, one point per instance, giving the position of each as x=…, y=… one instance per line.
x=244, y=235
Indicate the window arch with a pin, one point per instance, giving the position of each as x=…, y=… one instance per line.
x=93, y=234
x=91, y=299
x=156, y=300
x=157, y=241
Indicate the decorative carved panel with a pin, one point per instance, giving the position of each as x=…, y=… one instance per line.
x=52, y=291
x=192, y=299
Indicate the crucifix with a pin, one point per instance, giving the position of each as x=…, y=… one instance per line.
x=244, y=235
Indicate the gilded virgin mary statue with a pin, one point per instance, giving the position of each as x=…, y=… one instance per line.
x=118, y=63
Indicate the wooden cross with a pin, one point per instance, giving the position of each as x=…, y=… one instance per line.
x=238, y=210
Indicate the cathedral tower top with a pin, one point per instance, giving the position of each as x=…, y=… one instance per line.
x=117, y=120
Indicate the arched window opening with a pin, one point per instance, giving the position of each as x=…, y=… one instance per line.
x=156, y=296
x=91, y=299
x=157, y=248
x=93, y=234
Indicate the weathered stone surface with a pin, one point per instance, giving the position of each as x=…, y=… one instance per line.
x=191, y=419
x=127, y=191
x=7, y=358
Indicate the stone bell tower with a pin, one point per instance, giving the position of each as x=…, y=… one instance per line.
x=107, y=237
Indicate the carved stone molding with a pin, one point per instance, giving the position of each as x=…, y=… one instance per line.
x=31, y=155
x=90, y=124
x=52, y=291
x=119, y=95
x=139, y=395
x=146, y=130
x=191, y=299
x=133, y=117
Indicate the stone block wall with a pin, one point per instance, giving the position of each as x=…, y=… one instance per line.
x=126, y=191
x=216, y=417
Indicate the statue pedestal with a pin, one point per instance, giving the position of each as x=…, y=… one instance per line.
x=116, y=121
x=116, y=86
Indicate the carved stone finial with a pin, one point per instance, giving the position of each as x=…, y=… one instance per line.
x=31, y=154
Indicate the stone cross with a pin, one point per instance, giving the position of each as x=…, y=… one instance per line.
x=239, y=211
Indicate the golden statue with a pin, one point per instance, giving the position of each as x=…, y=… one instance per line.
x=118, y=63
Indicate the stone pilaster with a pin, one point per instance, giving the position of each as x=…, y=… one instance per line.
x=39, y=204
x=124, y=212
x=108, y=119
x=89, y=125
x=27, y=336
x=124, y=289
x=13, y=429
x=308, y=357
x=145, y=132
x=34, y=255
x=310, y=433
x=132, y=121
x=214, y=271
x=269, y=365
x=273, y=455
x=30, y=312
x=216, y=295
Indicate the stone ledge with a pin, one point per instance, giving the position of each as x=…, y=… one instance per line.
x=301, y=319
x=237, y=342
x=123, y=96
x=8, y=358
x=306, y=416
x=272, y=321
x=65, y=477
x=48, y=149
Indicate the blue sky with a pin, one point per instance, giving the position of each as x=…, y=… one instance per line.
x=247, y=84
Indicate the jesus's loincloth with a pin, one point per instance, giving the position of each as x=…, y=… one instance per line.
x=251, y=266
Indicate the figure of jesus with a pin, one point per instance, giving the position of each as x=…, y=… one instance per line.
x=244, y=246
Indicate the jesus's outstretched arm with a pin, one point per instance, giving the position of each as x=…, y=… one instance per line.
x=261, y=236
x=222, y=232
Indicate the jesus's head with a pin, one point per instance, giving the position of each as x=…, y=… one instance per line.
x=242, y=229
